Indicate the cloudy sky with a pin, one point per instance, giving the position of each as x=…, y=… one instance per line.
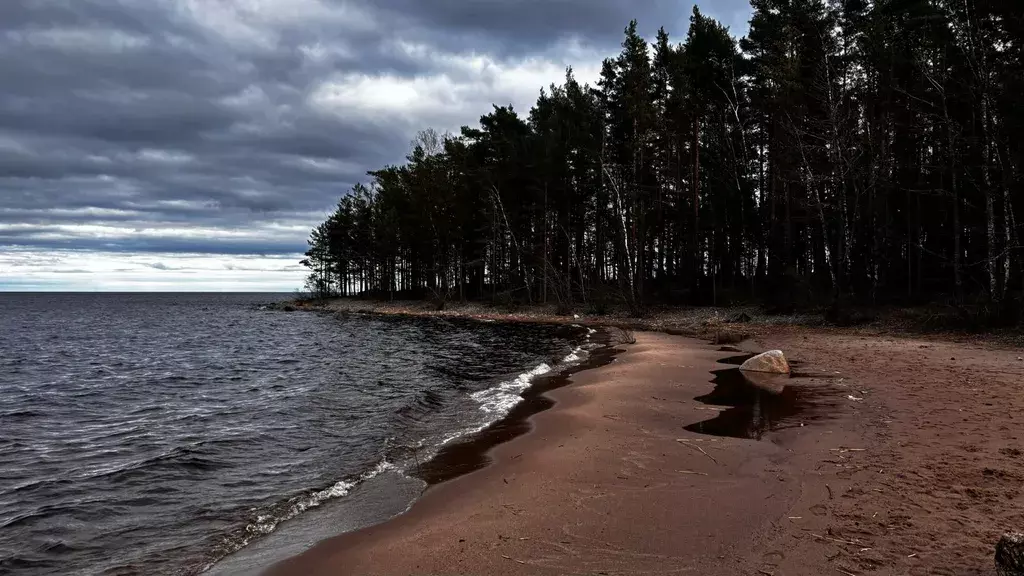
x=191, y=144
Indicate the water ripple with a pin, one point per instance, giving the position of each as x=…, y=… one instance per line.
x=155, y=433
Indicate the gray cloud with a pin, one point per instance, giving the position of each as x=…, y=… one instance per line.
x=124, y=123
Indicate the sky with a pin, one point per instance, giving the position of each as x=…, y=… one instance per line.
x=191, y=145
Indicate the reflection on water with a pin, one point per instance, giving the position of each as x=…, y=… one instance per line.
x=757, y=403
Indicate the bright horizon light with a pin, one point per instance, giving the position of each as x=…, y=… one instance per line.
x=86, y=271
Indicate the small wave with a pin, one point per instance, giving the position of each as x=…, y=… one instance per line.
x=497, y=401
x=579, y=353
x=268, y=521
x=423, y=403
x=38, y=485
x=186, y=459
x=463, y=432
x=81, y=509
x=21, y=414
x=501, y=398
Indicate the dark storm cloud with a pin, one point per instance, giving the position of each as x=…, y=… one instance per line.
x=123, y=122
x=524, y=26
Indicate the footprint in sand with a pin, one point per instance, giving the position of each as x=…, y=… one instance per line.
x=773, y=557
x=819, y=510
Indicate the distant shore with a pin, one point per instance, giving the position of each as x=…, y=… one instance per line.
x=609, y=480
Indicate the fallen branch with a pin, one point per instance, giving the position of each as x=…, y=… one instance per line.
x=836, y=540
x=683, y=442
x=692, y=472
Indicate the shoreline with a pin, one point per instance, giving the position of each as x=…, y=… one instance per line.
x=468, y=451
x=464, y=523
x=866, y=489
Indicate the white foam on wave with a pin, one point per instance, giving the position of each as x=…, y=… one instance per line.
x=463, y=432
x=501, y=398
x=576, y=355
x=498, y=400
x=382, y=467
x=264, y=524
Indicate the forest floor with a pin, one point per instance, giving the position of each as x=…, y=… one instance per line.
x=720, y=324
x=913, y=463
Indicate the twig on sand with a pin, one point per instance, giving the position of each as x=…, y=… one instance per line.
x=847, y=572
x=837, y=540
x=698, y=448
x=766, y=573
x=692, y=472
x=512, y=559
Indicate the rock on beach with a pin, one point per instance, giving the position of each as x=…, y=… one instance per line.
x=772, y=362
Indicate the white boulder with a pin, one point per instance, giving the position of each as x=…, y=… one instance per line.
x=772, y=362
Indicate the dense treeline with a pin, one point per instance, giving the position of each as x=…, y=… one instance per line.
x=844, y=151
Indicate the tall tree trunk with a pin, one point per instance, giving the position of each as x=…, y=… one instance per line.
x=696, y=203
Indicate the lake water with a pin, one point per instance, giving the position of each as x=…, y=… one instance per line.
x=160, y=433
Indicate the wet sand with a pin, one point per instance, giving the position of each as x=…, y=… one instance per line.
x=607, y=481
x=917, y=474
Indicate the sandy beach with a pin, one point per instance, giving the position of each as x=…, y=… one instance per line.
x=903, y=458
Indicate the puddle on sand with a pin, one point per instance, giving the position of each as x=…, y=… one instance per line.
x=735, y=360
x=757, y=404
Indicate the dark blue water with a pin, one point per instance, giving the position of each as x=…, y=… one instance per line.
x=157, y=433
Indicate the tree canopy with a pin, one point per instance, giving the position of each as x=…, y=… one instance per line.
x=859, y=150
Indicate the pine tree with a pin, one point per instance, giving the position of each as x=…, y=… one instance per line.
x=843, y=151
